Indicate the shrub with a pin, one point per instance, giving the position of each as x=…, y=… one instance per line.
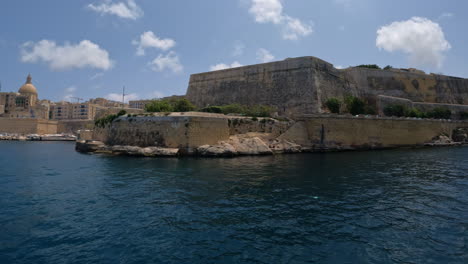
x=253, y=111
x=102, y=122
x=159, y=106
x=183, y=105
x=212, y=109
x=463, y=115
x=414, y=112
x=355, y=105
x=395, y=110
x=334, y=105
x=369, y=66
x=388, y=67
x=440, y=113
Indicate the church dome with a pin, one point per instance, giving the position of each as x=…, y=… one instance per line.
x=28, y=87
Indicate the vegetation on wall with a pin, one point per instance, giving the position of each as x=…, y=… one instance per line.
x=170, y=105
x=104, y=121
x=254, y=111
x=355, y=105
x=369, y=66
x=463, y=115
x=399, y=110
x=334, y=105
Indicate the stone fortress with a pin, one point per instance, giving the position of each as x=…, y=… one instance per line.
x=298, y=89
x=298, y=86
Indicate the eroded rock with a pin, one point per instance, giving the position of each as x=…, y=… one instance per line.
x=220, y=150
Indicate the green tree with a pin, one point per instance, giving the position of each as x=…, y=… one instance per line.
x=334, y=105
x=183, y=105
x=397, y=110
x=440, y=113
x=354, y=105
x=159, y=106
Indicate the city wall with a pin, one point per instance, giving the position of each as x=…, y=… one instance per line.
x=173, y=131
x=302, y=85
x=345, y=132
x=313, y=132
x=72, y=126
x=27, y=126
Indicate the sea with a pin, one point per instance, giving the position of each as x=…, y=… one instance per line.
x=389, y=206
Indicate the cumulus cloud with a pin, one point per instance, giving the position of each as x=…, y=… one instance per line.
x=150, y=40
x=169, y=61
x=271, y=11
x=422, y=39
x=339, y=67
x=69, y=93
x=128, y=10
x=156, y=95
x=95, y=76
x=118, y=97
x=69, y=56
x=222, y=66
x=263, y=55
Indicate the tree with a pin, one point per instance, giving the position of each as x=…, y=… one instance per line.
x=183, y=105
x=355, y=106
x=334, y=105
x=159, y=106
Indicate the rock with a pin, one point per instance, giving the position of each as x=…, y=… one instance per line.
x=284, y=146
x=223, y=149
x=89, y=146
x=159, y=152
x=250, y=146
x=460, y=135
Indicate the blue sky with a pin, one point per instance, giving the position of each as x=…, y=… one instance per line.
x=91, y=48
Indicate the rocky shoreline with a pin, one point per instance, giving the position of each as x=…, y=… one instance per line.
x=241, y=145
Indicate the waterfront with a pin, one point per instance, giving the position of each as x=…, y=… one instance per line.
x=396, y=206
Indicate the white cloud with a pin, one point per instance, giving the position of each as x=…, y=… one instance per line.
x=118, y=97
x=95, y=76
x=150, y=40
x=422, y=39
x=293, y=29
x=169, y=61
x=69, y=93
x=271, y=11
x=82, y=55
x=239, y=48
x=267, y=11
x=263, y=55
x=222, y=66
x=339, y=67
x=129, y=10
x=445, y=15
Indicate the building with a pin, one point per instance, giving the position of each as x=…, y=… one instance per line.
x=106, y=103
x=140, y=104
x=24, y=103
x=73, y=111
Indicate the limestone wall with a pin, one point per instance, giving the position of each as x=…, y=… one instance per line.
x=301, y=85
x=339, y=132
x=72, y=126
x=384, y=101
x=172, y=131
x=27, y=126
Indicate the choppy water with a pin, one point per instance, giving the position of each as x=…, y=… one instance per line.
x=399, y=206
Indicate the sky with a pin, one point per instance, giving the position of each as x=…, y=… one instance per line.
x=93, y=48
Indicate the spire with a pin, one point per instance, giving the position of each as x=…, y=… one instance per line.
x=29, y=79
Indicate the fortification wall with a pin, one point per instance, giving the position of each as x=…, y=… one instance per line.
x=340, y=132
x=384, y=101
x=302, y=85
x=291, y=85
x=173, y=131
x=72, y=126
x=27, y=126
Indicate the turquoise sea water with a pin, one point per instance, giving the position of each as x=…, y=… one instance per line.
x=396, y=206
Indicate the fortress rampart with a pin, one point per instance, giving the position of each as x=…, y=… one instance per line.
x=301, y=85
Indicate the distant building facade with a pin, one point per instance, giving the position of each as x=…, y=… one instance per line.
x=73, y=111
x=24, y=103
x=140, y=104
